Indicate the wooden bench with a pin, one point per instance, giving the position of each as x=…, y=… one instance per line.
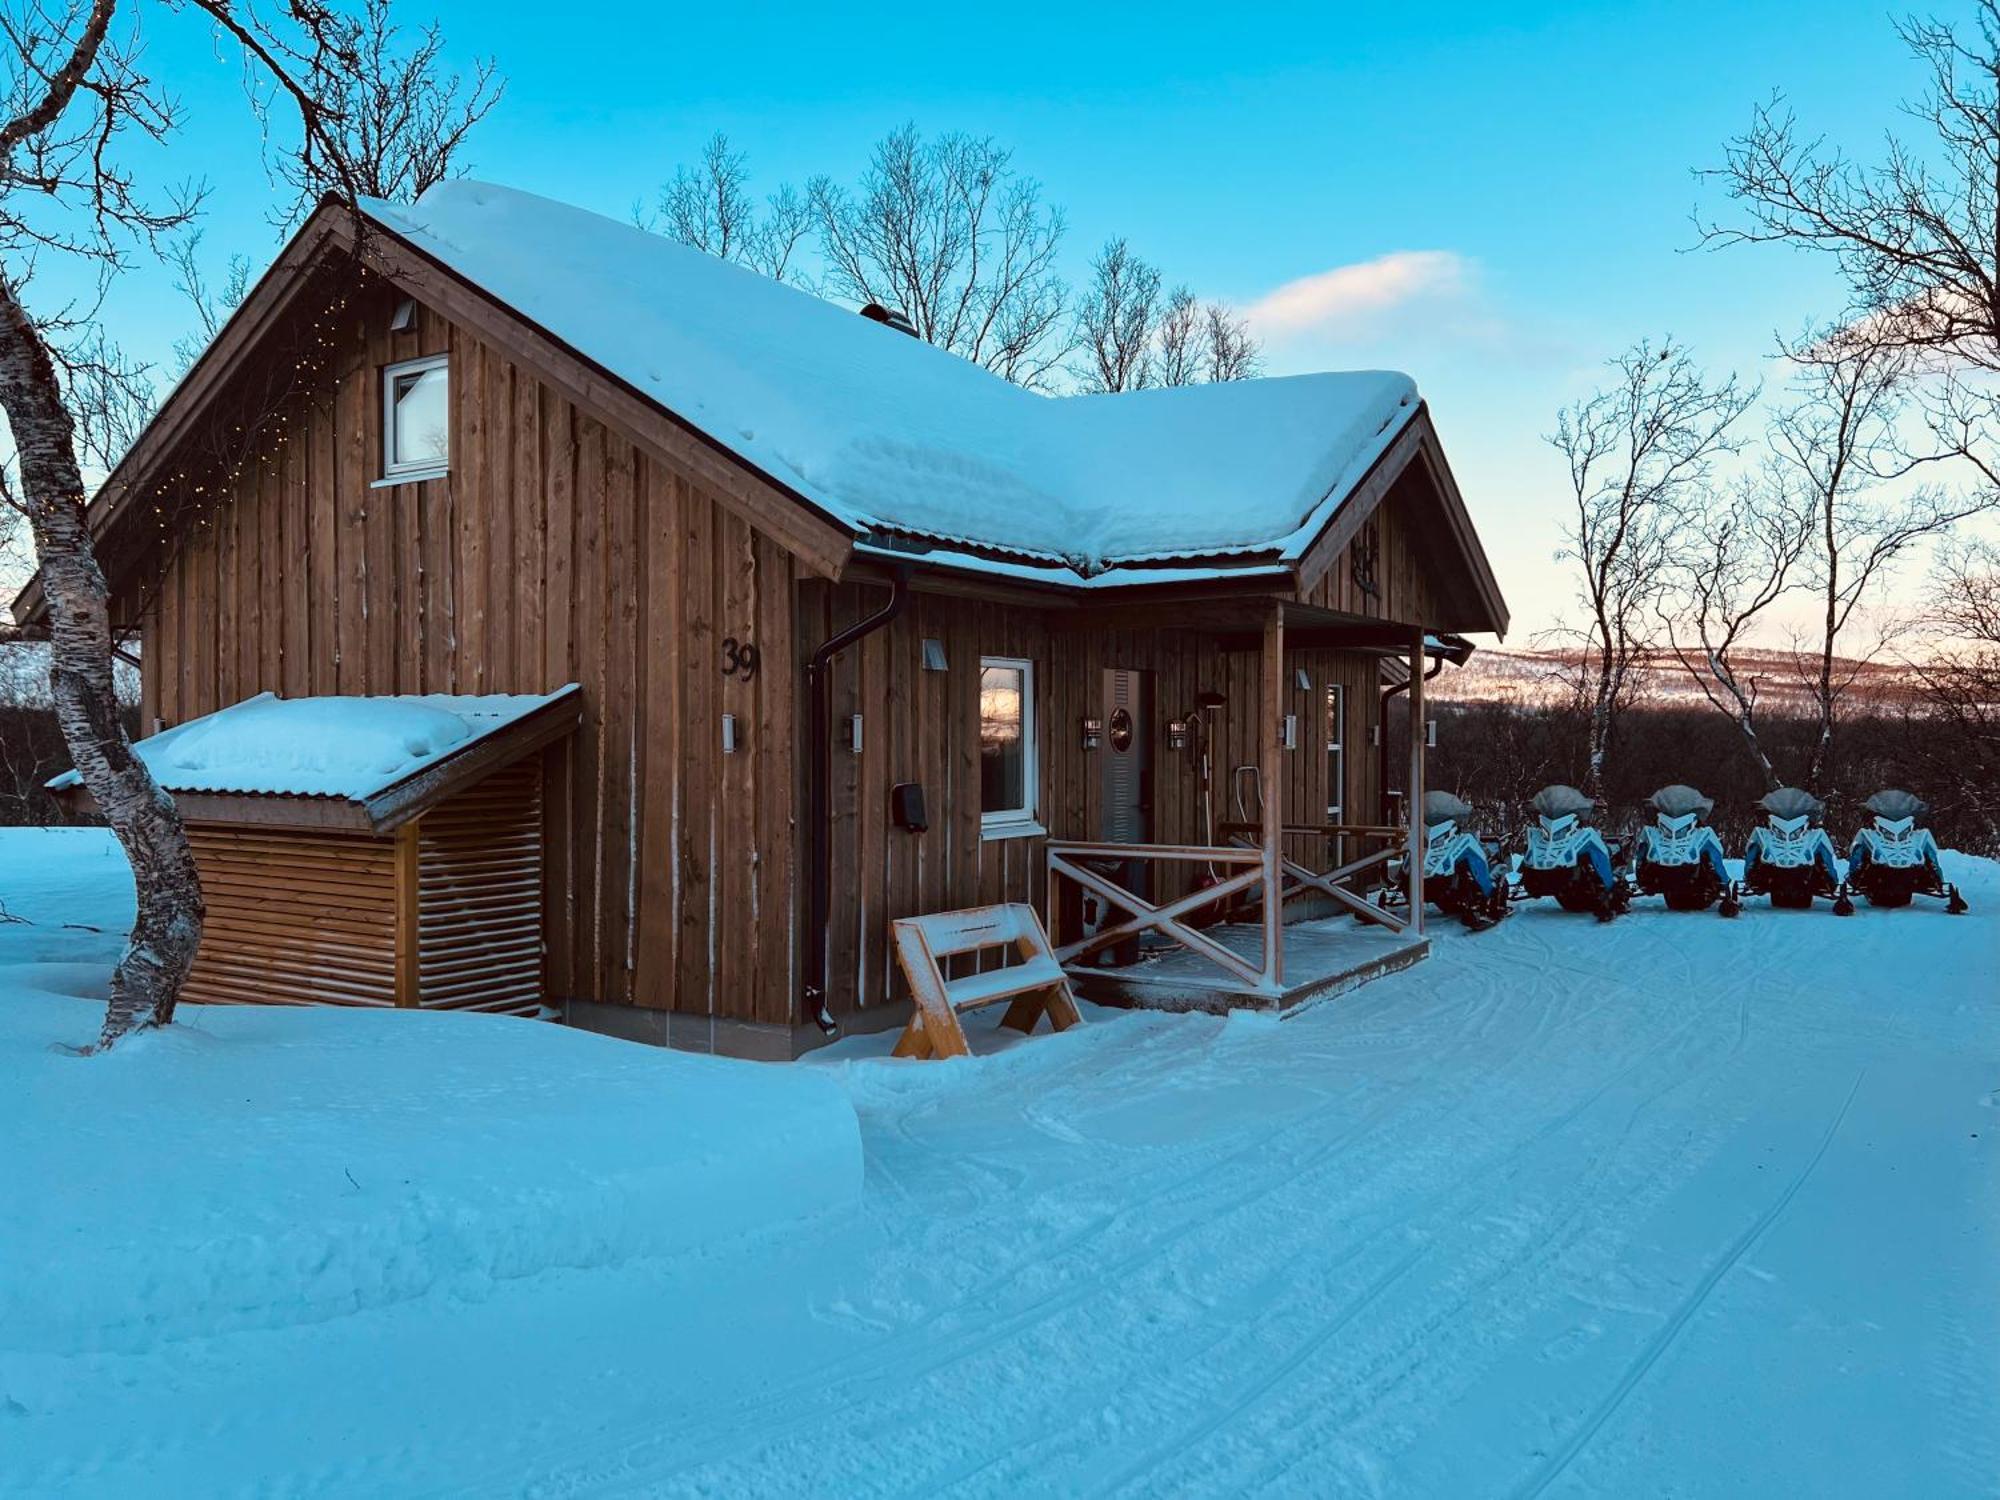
x=1035, y=985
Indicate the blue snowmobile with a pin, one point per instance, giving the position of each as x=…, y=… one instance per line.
x=1568, y=859
x=1459, y=879
x=1679, y=857
x=1790, y=855
x=1895, y=857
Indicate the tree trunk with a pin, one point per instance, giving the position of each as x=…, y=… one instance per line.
x=168, y=929
x=1820, y=771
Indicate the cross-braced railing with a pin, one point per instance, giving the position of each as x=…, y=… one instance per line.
x=1339, y=884
x=1072, y=862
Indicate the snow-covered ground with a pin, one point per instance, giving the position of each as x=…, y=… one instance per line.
x=1672, y=1207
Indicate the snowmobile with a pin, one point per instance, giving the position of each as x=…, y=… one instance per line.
x=1679, y=856
x=1894, y=857
x=1790, y=855
x=1459, y=878
x=1568, y=859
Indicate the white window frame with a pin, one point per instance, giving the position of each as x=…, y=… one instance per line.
x=1021, y=822
x=410, y=471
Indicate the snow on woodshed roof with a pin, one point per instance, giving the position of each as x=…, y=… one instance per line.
x=891, y=435
x=349, y=748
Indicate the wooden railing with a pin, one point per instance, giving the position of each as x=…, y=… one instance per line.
x=1337, y=884
x=1070, y=861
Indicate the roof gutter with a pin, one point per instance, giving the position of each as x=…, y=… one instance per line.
x=819, y=812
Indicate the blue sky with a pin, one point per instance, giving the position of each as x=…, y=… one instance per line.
x=1494, y=198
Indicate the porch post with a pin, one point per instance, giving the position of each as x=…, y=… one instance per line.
x=1271, y=701
x=1414, y=806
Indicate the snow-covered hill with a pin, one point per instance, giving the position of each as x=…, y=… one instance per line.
x=1674, y=1206
x=1503, y=675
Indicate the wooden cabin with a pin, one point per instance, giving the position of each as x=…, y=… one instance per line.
x=350, y=853
x=858, y=630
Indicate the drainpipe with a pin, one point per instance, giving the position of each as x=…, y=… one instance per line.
x=819, y=815
x=1382, y=750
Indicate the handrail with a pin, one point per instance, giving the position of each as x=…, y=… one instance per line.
x=1221, y=854
x=1164, y=917
x=1350, y=830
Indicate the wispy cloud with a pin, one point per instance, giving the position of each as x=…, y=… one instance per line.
x=1356, y=300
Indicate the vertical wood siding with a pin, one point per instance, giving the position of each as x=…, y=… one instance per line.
x=1407, y=584
x=553, y=552
x=924, y=727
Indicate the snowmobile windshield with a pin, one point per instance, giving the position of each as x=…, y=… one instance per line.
x=1792, y=802
x=1442, y=807
x=1560, y=801
x=1678, y=800
x=1895, y=804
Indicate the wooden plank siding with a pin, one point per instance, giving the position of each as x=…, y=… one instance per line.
x=553, y=552
x=317, y=918
x=479, y=888
x=557, y=550
x=1405, y=570
x=294, y=918
x=924, y=727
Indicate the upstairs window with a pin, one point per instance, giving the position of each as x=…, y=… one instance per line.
x=416, y=419
x=1007, y=747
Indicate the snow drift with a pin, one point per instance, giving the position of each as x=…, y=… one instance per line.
x=258, y=1167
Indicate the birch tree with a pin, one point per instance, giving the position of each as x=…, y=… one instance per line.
x=1636, y=452
x=709, y=207
x=1912, y=233
x=950, y=234
x=1733, y=560
x=74, y=95
x=1841, y=441
x=1115, y=321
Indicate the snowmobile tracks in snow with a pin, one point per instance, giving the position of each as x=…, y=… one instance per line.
x=1692, y=1304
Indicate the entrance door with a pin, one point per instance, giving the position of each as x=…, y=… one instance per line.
x=1126, y=758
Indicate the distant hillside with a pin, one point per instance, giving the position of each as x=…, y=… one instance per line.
x=1540, y=677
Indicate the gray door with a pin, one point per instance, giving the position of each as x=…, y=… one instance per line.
x=1125, y=758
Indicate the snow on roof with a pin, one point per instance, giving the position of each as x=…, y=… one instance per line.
x=889, y=434
x=351, y=748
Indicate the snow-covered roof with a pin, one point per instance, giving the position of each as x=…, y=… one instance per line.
x=891, y=435
x=352, y=749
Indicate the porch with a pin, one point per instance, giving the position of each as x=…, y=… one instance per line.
x=1276, y=904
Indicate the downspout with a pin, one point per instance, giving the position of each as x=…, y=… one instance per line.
x=819, y=815
x=1382, y=748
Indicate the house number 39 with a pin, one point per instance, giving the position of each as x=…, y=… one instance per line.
x=739, y=658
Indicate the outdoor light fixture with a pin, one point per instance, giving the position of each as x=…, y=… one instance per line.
x=1431, y=733
x=1304, y=680
x=404, y=318
x=729, y=734
x=1289, y=731
x=1093, y=733
x=933, y=654
x=1177, y=734
x=854, y=733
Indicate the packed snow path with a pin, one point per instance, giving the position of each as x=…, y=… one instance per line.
x=1675, y=1206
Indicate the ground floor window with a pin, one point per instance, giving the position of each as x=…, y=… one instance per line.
x=1007, y=770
